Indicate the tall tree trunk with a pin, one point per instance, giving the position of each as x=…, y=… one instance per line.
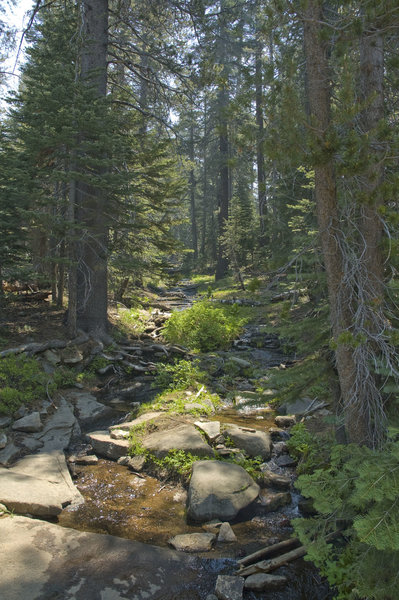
x=316, y=51
x=193, y=208
x=224, y=183
x=260, y=133
x=91, y=200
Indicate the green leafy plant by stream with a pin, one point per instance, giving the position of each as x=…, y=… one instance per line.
x=205, y=326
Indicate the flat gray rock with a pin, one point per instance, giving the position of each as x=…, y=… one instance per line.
x=274, y=501
x=105, y=446
x=41, y=560
x=28, y=495
x=39, y=484
x=183, y=437
x=219, y=490
x=193, y=542
x=29, y=424
x=255, y=443
x=3, y=441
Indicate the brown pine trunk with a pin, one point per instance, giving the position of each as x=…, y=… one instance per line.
x=91, y=200
x=316, y=51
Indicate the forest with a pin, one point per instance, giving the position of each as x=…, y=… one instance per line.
x=245, y=144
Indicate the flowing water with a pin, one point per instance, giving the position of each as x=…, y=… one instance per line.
x=151, y=510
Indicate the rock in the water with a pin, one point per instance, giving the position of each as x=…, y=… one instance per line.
x=29, y=424
x=279, y=448
x=278, y=434
x=88, y=410
x=219, y=490
x=285, y=461
x=183, y=437
x=105, y=446
x=273, y=502
x=277, y=481
x=285, y=421
x=210, y=428
x=3, y=441
x=229, y=587
x=135, y=463
x=255, y=443
x=264, y=581
x=193, y=542
x=226, y=534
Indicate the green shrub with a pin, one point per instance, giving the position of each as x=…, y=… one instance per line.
x=358, y=489
x=205, y=327
x=181, y=375
x=309, y=450
x=64, y=377
x=22, y=381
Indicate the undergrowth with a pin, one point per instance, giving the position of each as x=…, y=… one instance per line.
x=205, y=326
x=22, y=382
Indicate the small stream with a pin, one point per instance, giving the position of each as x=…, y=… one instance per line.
x=151, y=510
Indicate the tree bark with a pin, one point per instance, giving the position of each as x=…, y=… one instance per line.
x=91, y=200
x=193, y=208
x=224, y=183
x=316, y=51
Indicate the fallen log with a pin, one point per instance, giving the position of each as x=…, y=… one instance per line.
x=269, y=551
x=265, y=566
x=34, y=348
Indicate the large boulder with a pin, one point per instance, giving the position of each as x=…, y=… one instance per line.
x=219, y=490
x=254, y=442
x=184, y=437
